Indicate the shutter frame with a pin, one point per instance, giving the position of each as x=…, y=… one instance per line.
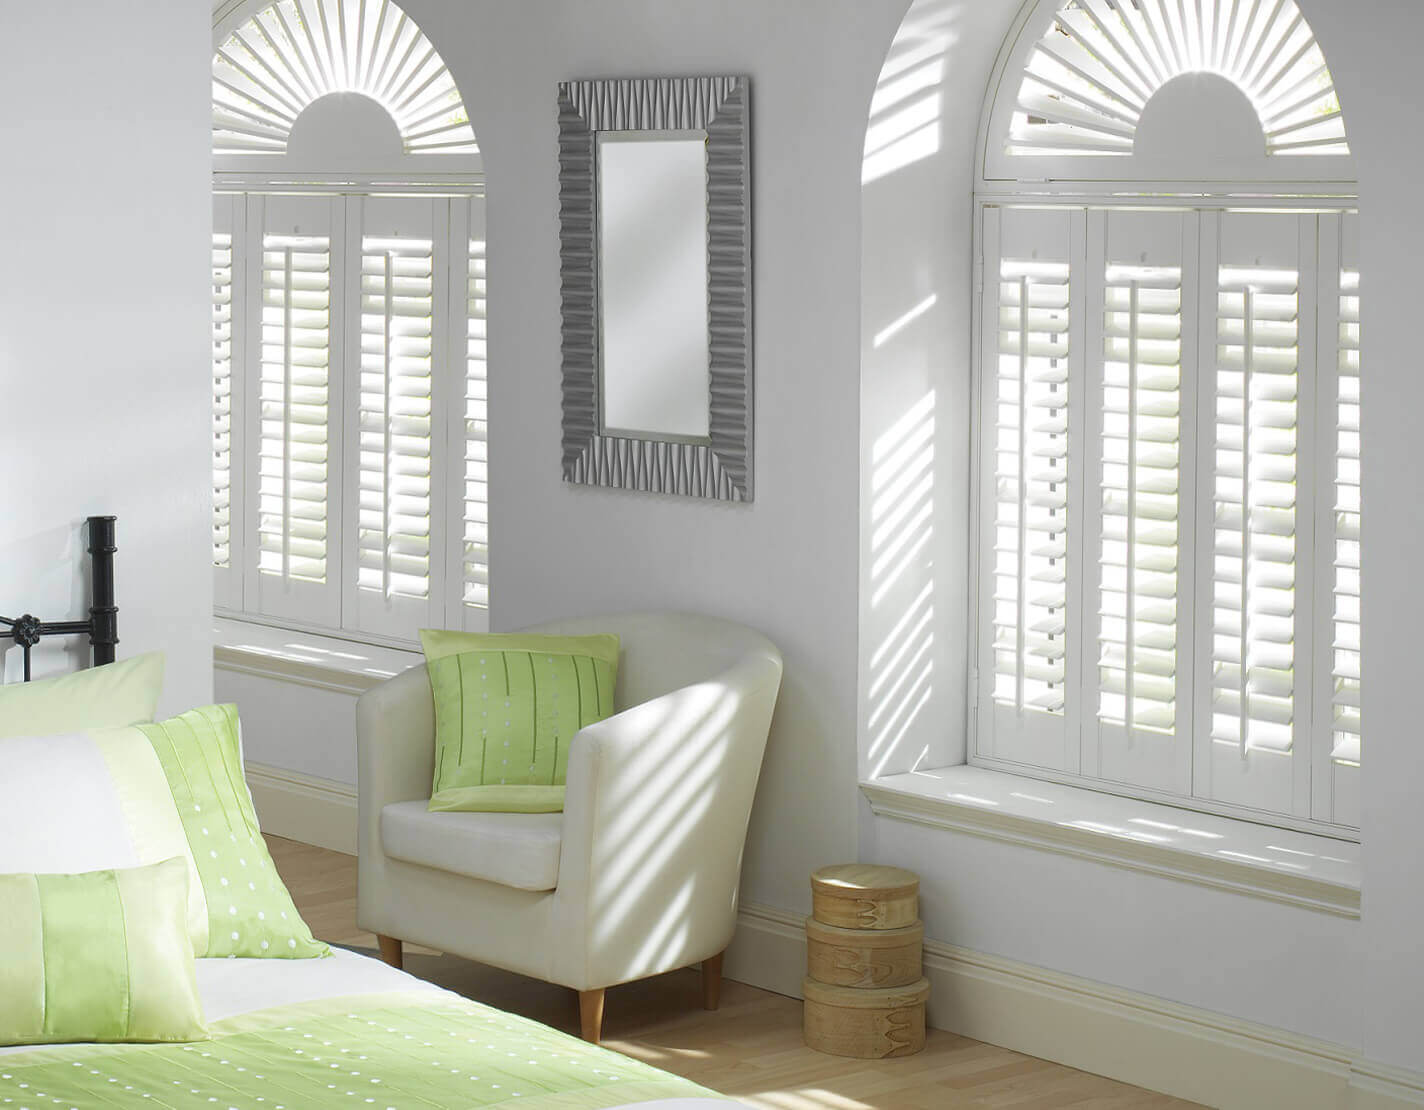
x=274, y=593
x=395, y=559
x=1004, y=729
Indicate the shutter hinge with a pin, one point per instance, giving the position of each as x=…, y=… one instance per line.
x=979, y=276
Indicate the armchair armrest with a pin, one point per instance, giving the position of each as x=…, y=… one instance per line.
x=395, y=741
x=655, y=821
x=395, y=762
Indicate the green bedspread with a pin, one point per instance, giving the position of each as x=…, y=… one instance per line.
x=411, y=1050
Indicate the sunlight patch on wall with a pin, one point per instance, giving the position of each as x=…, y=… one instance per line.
x=906, y=108
x=901, y=665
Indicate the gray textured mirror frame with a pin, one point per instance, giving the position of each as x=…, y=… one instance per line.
x=720, y=468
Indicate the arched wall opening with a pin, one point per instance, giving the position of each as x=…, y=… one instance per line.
x=925, y=156
x=349, y=327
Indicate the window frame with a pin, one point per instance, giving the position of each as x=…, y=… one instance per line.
x=1323, y=777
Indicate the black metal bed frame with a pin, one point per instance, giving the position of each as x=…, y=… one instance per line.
x=103, y=622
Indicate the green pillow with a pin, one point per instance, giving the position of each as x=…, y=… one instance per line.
x=98, y=956
x=250, y=912
x=506, y=708
x=115, y=694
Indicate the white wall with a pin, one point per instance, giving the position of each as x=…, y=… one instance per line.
x=104, y=349
x=1372, y=48
x=785, y=564
x=792, y=562
x=1355, y=983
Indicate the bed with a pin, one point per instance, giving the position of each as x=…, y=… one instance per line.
x=340, y=1031
x=345, y=1031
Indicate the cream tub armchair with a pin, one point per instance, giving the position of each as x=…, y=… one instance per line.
x=637, y=876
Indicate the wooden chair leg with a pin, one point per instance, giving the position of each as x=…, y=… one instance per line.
x=591, y=1015
x=390, y=950
x=712, y=981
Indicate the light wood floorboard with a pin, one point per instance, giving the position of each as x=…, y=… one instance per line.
x=750, y=1049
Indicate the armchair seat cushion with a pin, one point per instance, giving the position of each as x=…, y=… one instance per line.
x=520, y=850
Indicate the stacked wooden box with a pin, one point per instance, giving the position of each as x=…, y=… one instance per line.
x=865, y=995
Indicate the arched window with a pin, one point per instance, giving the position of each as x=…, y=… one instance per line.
x=1168, y=466
x=1090, y=76
x=286, y=57
x=349, y=324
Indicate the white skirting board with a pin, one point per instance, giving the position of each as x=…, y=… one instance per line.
x=1179, y=1050
x=304, y=808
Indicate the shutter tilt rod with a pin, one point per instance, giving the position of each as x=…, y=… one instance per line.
x=287, y=415
x=388, y=260
x=1020, y=662
x=103, y=622
x=1130, y=656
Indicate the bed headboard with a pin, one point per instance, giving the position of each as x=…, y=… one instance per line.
x=103, y=623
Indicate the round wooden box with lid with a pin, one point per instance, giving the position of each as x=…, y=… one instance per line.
x=865, y=896
x=863, y=957
x=870, y=1024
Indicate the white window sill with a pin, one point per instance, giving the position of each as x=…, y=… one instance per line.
x=306, y=658
x=1316, y=872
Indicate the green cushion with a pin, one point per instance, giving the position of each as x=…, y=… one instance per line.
x=250, y=912
x=506, y=709
x=98, y=956
x=115, y=694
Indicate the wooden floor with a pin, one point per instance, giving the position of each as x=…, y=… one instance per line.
x=750, y=1049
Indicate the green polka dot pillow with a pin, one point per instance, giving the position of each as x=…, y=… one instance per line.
x=507, y=708
x=247, y=908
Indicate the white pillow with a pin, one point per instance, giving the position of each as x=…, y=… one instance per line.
x=91, y=802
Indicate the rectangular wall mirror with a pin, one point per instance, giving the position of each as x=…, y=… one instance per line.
x=657, y=285
x=654, y=343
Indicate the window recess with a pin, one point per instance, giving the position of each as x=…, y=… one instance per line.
x=1168, y=506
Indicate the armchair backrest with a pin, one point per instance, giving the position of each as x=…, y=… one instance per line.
x=662, y=652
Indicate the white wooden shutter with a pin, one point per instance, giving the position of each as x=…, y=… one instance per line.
x=298, y=389
x=222, y=399
x=1027, y=508
x=392, y=449
x=467, y=498
x=1339, y=751
x=1258, y=629
x=1140, y=515
x=229, y=459
x=475, y=548
x=1345, y=672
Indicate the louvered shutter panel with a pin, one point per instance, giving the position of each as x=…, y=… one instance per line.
x=222, y=399
x=1027, y=508
x=1336, y=769
x=1139, y=512
x=296, y=331
x=400, y=329
x=229, y=461
x=1345, y=669
x=1261, y=526
x=475, y=547
x=298, y=383
x=1137, y=666
x=397, y=310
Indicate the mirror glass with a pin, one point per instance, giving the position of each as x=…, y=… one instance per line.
x=652, y=250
